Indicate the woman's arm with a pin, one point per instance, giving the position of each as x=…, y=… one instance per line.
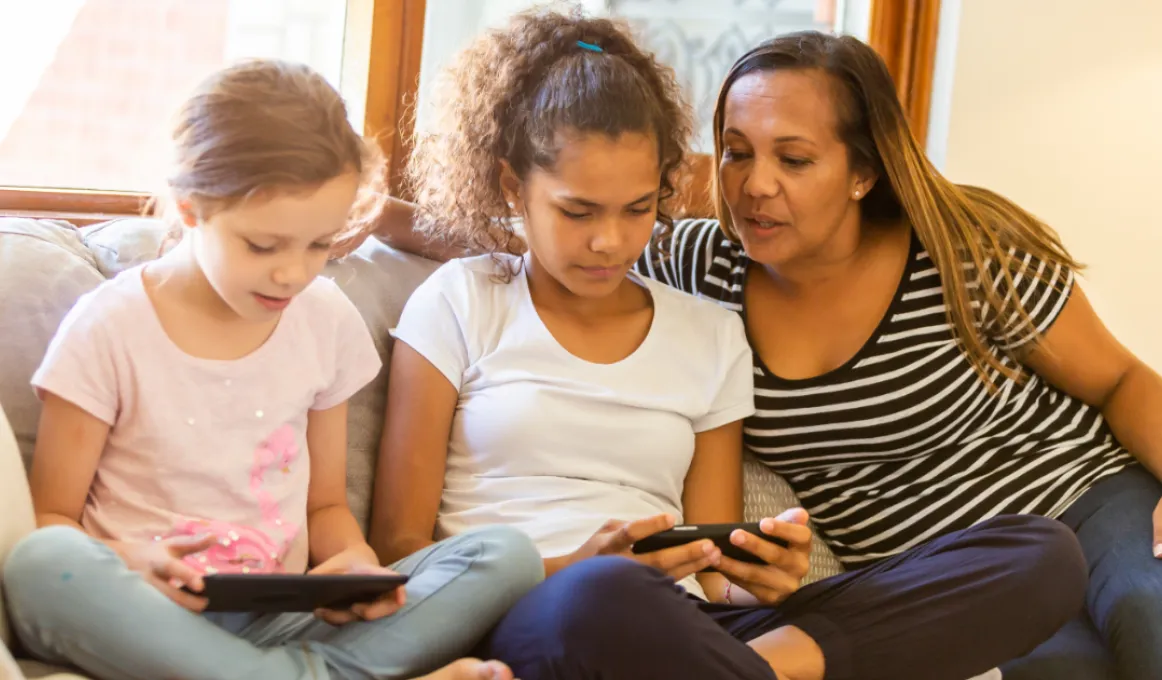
x=69, y=443
x=331, y=527
x=409, y=478
x=396, y=227
x=1081, y=357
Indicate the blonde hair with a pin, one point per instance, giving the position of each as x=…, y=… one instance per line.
x=957, y=224
x=264, y=126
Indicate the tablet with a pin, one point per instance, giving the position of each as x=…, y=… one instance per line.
x=718, y=533
x=268, y=593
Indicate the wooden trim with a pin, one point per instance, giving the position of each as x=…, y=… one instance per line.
x=71, y=204
x=904, y=33
x=397, y=39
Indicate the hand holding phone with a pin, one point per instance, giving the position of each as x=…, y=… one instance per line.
x=617, y=537
x=781, y=555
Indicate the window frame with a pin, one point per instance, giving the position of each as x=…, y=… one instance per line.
x=905, y=32
x=397, y=32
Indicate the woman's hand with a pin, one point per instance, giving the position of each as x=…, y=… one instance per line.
x=359, y=560
x=160, y=562
x=785, y=568
x=617, y=538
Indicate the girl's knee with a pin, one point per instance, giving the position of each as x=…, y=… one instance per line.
x=52, y=553
x=512, y=554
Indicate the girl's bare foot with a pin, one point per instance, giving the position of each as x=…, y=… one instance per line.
x=471, y=669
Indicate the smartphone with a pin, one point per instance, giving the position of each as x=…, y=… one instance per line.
x=267, y=593
x=719, y=533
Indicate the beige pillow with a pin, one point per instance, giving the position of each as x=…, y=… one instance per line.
x=44, y=268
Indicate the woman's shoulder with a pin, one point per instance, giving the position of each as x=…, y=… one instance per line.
x=695, y=256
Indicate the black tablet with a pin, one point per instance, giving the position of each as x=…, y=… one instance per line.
x=294, y=592
x=718, y=533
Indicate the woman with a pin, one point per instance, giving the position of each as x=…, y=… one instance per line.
x=923, y=358
x=531, y=391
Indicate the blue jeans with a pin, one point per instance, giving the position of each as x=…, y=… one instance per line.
x=1117, y=638
x=74, y=601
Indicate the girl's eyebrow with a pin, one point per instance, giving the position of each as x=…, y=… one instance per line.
x=591, y=204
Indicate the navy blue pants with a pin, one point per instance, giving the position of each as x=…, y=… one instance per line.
x=947, y=610
x=1117, y=637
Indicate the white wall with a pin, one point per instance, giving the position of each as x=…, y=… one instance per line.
x=1058, y=105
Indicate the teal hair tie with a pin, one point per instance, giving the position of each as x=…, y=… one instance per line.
x=589, y=46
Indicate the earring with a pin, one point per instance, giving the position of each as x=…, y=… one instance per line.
x=857, y=193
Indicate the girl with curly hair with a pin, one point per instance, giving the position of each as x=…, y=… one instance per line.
x=563, y=393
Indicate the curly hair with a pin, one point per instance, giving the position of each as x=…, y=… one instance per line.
x=511, y=95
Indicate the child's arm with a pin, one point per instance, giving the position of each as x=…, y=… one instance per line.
x=409, y=479
x=69, y=443
x=337, y=544
x=331, y=527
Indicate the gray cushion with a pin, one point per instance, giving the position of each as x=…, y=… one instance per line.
x=44, y=268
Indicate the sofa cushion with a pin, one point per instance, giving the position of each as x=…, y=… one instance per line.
x=44, y=267
x=766, y=494
x=15, y=507
x=378, y=280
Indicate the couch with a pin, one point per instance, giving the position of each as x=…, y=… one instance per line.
x=46, y=265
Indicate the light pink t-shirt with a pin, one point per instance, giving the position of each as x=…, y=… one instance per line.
x=199, y=439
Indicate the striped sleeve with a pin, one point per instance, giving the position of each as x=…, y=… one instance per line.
x=1040, y=288
x=681, y=258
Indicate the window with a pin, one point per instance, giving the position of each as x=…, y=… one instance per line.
x=699, y=39
x=89, y=85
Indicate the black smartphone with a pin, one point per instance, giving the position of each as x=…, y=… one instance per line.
x=267, y=593
x=719, y=533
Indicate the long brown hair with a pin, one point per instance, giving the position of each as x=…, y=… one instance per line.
x=264, y=125
x=957, y=224
x=512, y=95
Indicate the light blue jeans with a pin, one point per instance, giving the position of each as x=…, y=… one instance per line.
x=74, y=601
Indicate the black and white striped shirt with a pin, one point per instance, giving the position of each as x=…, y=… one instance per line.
x=904, y=442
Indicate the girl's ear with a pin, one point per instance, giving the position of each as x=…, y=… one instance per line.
x=510, y=186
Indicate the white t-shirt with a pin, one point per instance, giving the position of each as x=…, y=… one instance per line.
x=555, y=445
